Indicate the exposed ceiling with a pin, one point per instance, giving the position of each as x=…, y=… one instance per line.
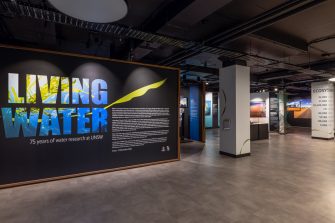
x=287, y=44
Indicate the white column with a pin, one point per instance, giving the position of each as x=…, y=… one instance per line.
x=235, y=110
x=323, y=110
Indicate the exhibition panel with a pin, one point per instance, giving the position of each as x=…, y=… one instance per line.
x=274, y=112
x=209, y=110
x=299, y=111
x=195, y=113
x=192, y=112
x=322, y=110
x=259, y=115
x=67, y=115
x=259, y=107
x=212, y=110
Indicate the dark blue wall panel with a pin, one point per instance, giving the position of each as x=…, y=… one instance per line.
x=195, y=113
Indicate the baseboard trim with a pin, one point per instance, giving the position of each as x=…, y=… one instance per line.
x=235, y=156
x=323, y=138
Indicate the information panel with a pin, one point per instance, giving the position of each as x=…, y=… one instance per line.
x=66, y=115
x=209, y=110
x=323, y=110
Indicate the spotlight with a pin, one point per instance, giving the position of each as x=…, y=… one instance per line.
x=276, y=89
x=332, y=79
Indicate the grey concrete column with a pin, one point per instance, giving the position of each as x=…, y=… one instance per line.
x=282, y=99
x=235, y=110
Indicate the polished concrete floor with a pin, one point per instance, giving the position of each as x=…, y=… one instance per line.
x=286, y=179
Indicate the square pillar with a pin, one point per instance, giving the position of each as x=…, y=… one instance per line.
x=234, y=93
x=323, y=110
x=282, y=100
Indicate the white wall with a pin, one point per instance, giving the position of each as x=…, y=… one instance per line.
x=264, y=96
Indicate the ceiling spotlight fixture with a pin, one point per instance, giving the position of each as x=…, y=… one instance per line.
x=98, y=11
x=207, y=83
x=332, y=79
x=276, y=89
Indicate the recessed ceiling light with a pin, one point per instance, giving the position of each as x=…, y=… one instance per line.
x=98, y=11
x=332, y=79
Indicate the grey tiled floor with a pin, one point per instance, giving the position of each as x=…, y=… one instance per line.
x=287, y=179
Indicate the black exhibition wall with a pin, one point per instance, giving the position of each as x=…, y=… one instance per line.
x=65, y=115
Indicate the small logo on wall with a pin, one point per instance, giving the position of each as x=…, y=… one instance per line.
x=165, y=149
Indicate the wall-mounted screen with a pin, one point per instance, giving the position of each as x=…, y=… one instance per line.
x=68, y=115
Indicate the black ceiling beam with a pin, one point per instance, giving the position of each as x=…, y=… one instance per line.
x=255, y=24
x=275, y=75
x=164, y=14
x=281, y=39
x=294, y=83
x=282, y=74
x=322, y=65
x=263, y=20
x=194, y=68
x=160, y=17
x=278, y=76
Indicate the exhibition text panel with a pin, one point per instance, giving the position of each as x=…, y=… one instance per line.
x=64, y=115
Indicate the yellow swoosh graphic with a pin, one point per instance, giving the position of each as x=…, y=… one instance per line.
x=137, y=93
